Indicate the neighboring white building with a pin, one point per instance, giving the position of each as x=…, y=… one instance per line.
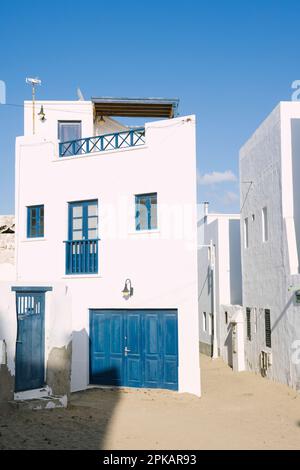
x=223, y=232
x=270, y=231
x=98, y=219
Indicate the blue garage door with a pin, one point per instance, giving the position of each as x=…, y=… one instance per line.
x=134, y=348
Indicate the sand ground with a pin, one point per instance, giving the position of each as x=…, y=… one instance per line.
x=236, y=411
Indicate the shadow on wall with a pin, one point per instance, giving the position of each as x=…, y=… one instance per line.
x=89, y=411
x=82, y=425
x=7, y=380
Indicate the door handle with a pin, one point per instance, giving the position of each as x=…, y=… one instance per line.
x=126, y=350
x=19, y=341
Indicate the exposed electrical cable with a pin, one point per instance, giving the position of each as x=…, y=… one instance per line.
x=250, y=185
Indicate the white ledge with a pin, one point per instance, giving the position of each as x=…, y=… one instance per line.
x=145, y=232
x=34, y=239
x=82, y=276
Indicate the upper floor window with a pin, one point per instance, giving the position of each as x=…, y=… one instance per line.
x=146, y=211
x=69, y=130
x=246, y=232
x=83, y=220
x=265, y=234
x=35, y=221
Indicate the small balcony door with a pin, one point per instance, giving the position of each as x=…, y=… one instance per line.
x=82, y=244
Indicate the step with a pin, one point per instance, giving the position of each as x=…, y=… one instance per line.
x=43, y=403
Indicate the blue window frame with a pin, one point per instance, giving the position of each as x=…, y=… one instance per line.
x=70, y=131
x=83, y=220
x=35, y=221
x=146, y=211
x=82, y=243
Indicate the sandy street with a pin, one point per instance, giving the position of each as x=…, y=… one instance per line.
x=236, y=411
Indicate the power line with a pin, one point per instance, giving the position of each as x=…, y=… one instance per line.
x=45, y=107
x=250, y=185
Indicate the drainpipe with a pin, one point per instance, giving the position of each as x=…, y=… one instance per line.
x=214, y=312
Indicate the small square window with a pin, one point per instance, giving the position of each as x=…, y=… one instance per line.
x=146, y=211
x=35, y=221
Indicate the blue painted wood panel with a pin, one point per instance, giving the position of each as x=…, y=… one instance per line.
x=134, y=348
x=30, y=345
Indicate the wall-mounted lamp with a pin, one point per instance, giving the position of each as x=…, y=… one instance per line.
x=127, y=292
x=41, y=114
x=101, y=121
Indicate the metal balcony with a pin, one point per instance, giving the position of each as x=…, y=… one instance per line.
x=102, y=143
x=82, y=256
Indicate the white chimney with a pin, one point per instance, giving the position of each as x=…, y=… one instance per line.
x=205, y=208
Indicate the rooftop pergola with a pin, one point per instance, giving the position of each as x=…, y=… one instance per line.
x=136, y=107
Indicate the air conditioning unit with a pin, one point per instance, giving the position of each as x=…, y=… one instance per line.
x=265, y=361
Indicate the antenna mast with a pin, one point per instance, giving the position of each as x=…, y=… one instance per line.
x=33, y=82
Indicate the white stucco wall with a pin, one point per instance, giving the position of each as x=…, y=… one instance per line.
x=58, y=111
x=67, y=111
x=267, y=160
x=162, y=265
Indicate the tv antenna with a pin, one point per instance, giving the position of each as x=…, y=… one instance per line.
x=80, y=95
x=33, y=82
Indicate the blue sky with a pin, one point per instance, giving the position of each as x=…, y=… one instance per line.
x=229, y=61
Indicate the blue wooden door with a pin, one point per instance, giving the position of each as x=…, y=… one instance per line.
x=30, y=345
x=134, y=348
x=106, y=347
x=133, y=358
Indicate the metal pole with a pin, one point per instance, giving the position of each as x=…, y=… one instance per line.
x=214, y=312
x=33, y=109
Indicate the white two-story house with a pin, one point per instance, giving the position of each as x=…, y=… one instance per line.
x=106, y=249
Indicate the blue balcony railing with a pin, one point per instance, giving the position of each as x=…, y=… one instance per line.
x=101, y=143
x=82, y=257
